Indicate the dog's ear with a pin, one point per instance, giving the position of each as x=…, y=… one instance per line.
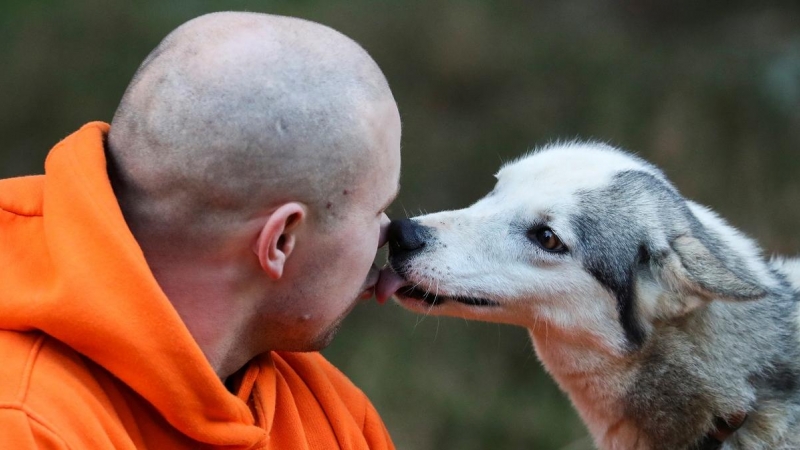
x=690, y=267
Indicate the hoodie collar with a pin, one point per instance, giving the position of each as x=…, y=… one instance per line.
x=94, y=291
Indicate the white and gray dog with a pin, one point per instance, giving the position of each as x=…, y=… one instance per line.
x=664, y=324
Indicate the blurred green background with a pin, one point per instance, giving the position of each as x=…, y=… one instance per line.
x=710, y=91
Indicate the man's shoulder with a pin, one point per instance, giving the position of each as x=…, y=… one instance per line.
x=44, y=377
x=52, y=388
x=36, y=365
x=24, y=428
x=22, y=196
x=18, y=351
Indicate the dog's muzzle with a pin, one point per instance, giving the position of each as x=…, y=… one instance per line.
x=407, y=239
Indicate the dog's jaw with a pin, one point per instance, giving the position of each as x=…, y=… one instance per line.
x=434, y=301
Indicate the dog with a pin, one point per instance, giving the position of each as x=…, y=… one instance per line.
x=664, y=325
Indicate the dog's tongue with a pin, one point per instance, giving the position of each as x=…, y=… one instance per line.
x=388, y=283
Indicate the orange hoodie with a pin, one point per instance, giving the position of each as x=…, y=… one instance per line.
x=93, y=355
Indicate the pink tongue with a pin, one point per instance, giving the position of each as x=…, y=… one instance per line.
x=388, y=283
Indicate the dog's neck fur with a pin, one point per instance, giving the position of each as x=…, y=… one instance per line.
x=594, y=374
x=618, y=390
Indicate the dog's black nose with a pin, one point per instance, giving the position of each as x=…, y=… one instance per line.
x=405, y=237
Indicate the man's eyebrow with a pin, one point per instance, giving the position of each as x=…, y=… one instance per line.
x=391, y=199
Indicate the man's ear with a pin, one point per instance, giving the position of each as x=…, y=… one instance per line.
x=689, y=267
x=278, y=237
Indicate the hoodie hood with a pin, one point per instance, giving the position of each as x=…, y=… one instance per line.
x=70, y=268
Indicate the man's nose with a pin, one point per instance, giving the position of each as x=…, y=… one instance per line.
x=384, y=234
x=406, y=237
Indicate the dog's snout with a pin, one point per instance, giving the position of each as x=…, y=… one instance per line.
x=406, y=236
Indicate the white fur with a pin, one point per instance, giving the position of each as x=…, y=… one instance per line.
x=483, y=251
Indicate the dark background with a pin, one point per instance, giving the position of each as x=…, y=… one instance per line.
x=709, y=91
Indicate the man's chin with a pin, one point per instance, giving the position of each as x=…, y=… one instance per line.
x=322, y=340
x=325, y=337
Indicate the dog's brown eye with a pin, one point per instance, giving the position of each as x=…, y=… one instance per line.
x=547, y=239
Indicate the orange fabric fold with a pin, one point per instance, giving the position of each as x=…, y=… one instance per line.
x=95, y=356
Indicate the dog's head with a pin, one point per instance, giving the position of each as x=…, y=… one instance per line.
x=580, y=236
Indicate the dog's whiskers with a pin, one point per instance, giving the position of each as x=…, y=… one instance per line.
x=427, y=313
x=437, y=319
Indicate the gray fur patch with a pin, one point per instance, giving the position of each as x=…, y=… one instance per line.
x=613, y=240
x=615, y=232
x=724, y=357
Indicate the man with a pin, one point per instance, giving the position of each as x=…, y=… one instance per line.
x=167, y=282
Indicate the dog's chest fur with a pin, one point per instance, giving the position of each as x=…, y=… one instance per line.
x=724, y=359
x=595, y=383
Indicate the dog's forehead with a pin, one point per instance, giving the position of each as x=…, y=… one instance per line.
x=568, y=168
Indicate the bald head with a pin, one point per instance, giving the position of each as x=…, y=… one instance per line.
x=235, y=112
